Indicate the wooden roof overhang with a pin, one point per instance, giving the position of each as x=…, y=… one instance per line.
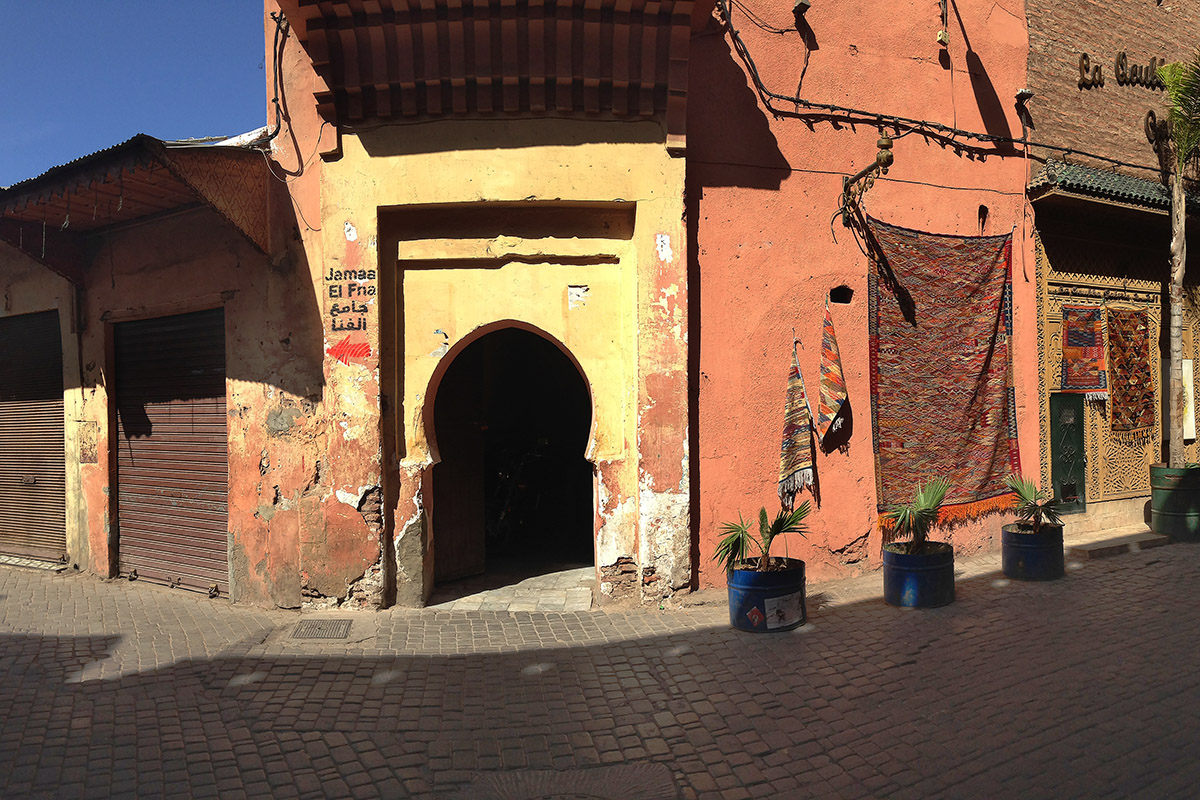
x=386, y=60
x=49, y=217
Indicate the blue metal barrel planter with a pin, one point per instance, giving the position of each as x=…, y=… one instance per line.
x=1029, y=556
x=768, y=602
x=919, y=580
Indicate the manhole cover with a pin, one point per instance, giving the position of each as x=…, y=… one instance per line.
x=322, y=629
x=618, y=782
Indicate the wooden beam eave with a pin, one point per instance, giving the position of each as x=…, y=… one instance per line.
x=60, y=252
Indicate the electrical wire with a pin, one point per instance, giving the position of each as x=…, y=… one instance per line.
x=945, y=135
x=760, y=22
x=836, y=173
x=281, y=29
x=303, y=164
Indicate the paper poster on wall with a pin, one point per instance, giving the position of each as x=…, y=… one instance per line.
x=1189, y=401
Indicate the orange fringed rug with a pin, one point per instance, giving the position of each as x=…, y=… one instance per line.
x=942, y=399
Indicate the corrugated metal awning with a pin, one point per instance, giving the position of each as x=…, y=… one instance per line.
x=137, y=180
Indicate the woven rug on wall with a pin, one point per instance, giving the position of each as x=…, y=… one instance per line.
x=942, y=399
x=796, y=451
x=1083, y=369
x=1131, y=376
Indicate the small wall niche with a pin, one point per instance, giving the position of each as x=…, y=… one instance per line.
x=841, y=294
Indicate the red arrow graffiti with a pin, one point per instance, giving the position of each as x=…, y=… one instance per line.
x=345, y=350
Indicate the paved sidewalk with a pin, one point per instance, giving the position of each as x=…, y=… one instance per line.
x=510, y=587
x=1082, y=687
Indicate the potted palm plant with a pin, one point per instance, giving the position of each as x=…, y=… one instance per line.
x=1032, y=547
x=918, y=573
x=766, y=593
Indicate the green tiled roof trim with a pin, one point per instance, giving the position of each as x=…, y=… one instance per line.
x=1106, y=185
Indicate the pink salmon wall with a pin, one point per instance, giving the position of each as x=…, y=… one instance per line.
x=762, y=190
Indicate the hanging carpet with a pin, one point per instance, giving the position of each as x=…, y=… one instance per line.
x=1132, y=376
x=833, y=382
x=796, y=451
x=1083, y=370
x=942, y=399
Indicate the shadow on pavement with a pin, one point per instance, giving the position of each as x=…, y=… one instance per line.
x=1078, y=687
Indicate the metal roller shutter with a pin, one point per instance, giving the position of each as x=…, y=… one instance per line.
x=172, y=457
x=32, y=454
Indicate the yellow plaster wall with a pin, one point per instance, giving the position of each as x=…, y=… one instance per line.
x=513, y=161
x=27, y=287
x=599, y=333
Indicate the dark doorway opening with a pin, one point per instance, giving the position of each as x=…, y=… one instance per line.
x=512, y=492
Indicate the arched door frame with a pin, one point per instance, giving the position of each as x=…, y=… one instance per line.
x=430, y=401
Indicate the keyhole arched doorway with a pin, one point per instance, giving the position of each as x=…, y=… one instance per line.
x=512, y=490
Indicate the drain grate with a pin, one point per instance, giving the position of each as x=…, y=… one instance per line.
x=322, y=629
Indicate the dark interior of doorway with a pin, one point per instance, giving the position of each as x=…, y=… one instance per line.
x=512, y=491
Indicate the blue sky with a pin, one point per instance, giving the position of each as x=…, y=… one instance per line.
x=77, y=77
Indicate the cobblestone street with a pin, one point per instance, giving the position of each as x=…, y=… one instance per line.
x=1075, y=688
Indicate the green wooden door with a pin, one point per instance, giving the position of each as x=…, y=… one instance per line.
x=1068, y=459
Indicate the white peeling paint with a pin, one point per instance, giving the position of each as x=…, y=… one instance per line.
x=611, y=544
x=577, y=296
x=408, y=523
x=615, y=537
x=442, y=348
x=662, y=244
x=664, y=301
x=351, y=232
x=351, y=499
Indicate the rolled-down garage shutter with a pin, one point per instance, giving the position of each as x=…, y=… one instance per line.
x=32, y=458
x=172, y=458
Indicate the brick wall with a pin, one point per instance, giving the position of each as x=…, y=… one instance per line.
x=1107, y=119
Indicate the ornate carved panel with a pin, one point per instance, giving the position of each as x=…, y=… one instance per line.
x=1080, y=272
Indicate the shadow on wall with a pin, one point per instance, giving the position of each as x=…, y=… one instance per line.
x=991, y=109
x=273, y=325
x=492, y=134
x=730, y=143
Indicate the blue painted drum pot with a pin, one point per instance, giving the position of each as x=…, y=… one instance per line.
x=1029, y=556
x=919, y=580
x=768, y=602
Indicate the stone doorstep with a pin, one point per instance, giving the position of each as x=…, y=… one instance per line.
x=32, y=563
x=1142, y=538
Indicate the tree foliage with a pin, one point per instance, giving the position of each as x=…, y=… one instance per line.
x=1182, y=80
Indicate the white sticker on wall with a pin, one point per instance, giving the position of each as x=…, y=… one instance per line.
x=662, y=243
x=577, y=296
x=351, y=232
